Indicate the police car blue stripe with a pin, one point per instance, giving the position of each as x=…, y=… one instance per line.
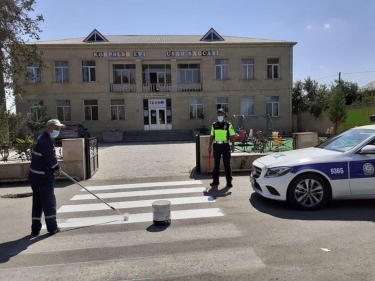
x=340, y=170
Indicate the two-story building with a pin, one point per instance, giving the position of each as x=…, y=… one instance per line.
x=163, y=82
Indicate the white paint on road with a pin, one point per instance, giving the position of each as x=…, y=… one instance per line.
x=142, y=185
x=133, y=204
x=140, y=193
x=137, y=218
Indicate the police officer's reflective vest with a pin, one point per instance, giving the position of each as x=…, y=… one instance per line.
x=221, y=131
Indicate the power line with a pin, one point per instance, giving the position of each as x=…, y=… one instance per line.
x=326, y=76
x=346, y=74
x=359, y=72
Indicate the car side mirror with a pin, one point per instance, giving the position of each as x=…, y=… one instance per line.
x=367, y=149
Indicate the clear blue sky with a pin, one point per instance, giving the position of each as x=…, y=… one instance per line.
x=333, y=35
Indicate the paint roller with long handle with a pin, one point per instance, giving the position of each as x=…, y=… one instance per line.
x=125, y=216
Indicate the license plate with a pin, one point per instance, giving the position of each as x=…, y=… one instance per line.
x=252, y=180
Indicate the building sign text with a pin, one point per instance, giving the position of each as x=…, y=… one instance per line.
x=191, y=53
x=118, y=54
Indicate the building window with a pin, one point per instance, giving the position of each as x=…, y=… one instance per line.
x=272, y=106
x=33, y=73
x=247, y=106
x=63, y=110
x=124, y=74
x=117, y=109
x=36, y=109
x=196, y=108
x=221, y=69
x=222, y=103
x=156, y=74
x=188, y=73
x=91, y=110
x=88, y=71
x=273, y=69
x=247, y=69
x=156, y=77
x=61, y=71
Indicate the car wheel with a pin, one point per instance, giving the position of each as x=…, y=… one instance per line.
x=308, y=192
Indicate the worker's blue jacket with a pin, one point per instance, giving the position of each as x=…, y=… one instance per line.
x=43, y=159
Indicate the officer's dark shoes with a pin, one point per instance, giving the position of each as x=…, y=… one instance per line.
x=214, y=183
x=229, y=184
x=55, y=231
x=34, y=233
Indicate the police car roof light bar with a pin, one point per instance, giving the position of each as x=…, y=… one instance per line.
x=125, y=216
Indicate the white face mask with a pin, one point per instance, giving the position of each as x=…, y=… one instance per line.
x=54, y=134
x=220, y=118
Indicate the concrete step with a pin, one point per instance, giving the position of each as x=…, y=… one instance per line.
x=154, y=136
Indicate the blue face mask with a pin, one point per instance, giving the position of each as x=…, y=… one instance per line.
x=54, y=134
x=220, y=118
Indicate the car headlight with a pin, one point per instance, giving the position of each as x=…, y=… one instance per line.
x=277, y=172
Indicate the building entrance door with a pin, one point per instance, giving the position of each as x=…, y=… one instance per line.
x=157, y=119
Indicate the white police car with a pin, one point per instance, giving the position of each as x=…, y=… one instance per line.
x=340, y=168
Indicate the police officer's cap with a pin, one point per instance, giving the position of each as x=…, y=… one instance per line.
x=220, y=110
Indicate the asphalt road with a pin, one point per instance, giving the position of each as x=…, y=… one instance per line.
x=245, y=237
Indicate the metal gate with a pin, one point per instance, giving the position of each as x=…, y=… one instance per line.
x=197, y=154
x=91, y=154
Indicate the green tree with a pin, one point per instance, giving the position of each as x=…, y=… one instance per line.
x=350, y=90
x=299, y=101
x=11, y=124
x=337, y=112
x=15, y=54
x=320, y=102
x=310, y=87
x=366, y=96
x=38, y=119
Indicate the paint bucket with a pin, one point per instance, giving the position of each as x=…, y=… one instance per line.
x=161, y=210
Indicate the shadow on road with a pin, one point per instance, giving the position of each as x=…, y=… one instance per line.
x=13, y=248
x=215, y=192
x=339, y=210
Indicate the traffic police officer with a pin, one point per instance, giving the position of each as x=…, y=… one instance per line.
x=221, y=133
x=43, y=169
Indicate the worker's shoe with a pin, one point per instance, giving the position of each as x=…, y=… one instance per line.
x=214, y=183
x=229, y=184
x=55, y=231
x=34, y=233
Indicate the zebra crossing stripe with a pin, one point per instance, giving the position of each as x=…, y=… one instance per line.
x=140, y=193
x=142, y=185
x=133, y=204
x=75, y=241
x=137, y=218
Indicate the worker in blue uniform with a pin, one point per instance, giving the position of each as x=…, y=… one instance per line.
x=43, y=169
x=222, y=137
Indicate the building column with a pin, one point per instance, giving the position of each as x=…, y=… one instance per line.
x=138, y=73
x=174, y=74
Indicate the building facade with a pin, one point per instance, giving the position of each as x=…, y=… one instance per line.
x=155, y=82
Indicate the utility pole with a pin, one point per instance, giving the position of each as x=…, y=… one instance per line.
x=339, y=77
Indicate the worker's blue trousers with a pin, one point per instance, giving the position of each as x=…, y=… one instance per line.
x=44, y=200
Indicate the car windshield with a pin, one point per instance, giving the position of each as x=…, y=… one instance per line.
x=347, y=140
